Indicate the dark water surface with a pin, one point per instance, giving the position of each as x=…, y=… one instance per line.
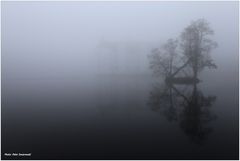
x=119, y=117
x=76, y=82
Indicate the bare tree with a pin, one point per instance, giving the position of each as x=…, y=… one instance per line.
x=193, y=50
x=197, y=45
x=162, y=60
x=189, y=108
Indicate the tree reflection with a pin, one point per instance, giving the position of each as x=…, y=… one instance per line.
x=180, y=61
x=186, y=105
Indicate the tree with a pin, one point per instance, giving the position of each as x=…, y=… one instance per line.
x=197, y=45
x=193, y=50
x=162, y=60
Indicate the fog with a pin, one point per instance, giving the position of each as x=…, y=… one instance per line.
x=61, y=39
x=76, y=82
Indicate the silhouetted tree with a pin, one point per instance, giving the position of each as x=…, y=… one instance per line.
x=189, y=109
x=197, y=45
x=162, y=60
x=193, y=50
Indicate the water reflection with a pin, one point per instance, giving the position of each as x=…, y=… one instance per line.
x=186, y=105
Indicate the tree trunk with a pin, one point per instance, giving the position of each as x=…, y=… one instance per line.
x=180, y=68
x=195, y=72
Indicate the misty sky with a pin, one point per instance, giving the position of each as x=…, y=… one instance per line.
x=74, y=38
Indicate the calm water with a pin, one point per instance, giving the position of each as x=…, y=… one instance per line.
x=76, y=82
x=120, y=117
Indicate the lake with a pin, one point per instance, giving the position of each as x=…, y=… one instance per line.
x=118, y=117
x=77, y=84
